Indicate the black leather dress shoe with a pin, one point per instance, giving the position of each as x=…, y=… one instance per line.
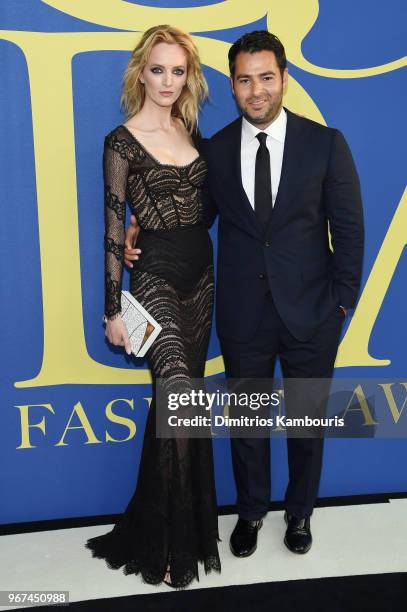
x=298, y=536
x=243, y=541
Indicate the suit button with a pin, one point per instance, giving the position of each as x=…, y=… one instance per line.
x=262, y=276
x=267, y=243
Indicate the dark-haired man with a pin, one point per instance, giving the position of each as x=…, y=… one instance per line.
x=276, y=180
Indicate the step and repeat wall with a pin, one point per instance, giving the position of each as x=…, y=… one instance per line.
x=73, y=407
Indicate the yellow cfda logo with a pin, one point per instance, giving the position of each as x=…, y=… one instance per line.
x=49, y=57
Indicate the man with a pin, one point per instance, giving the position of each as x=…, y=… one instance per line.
x=276, y=179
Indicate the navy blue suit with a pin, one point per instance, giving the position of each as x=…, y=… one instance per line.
x=280, y=286
x=291, y=255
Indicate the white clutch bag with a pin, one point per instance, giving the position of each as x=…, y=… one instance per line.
x=136, y=318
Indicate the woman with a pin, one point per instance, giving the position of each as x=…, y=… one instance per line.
x=151, y=161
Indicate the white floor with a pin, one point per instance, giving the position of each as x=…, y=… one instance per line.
x=347, y=540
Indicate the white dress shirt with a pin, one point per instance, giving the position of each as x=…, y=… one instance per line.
x=249, y=145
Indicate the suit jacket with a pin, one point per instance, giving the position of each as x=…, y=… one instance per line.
x=290, y=255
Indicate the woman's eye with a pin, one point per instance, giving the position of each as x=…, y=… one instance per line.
x=156, y=70
x=179, y=71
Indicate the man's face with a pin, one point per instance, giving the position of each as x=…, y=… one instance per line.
x=258, y=86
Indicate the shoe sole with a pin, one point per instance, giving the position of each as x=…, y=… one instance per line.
x=250, y=552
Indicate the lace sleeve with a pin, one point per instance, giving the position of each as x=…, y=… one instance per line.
x=115, y=171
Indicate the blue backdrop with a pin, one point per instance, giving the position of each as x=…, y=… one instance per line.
x=73, y=408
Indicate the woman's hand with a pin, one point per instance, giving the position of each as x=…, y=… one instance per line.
x=130, y=252
x=116, y=333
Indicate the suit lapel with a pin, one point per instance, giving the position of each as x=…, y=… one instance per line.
x=247, y=208
x=289, y=168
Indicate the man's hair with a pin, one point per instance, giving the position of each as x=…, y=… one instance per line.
x=252, y=42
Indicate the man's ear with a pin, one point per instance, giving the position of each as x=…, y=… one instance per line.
x=231, y=84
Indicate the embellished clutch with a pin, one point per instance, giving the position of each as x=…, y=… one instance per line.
x=142, y=328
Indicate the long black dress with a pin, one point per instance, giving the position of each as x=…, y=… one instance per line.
x=172, y=516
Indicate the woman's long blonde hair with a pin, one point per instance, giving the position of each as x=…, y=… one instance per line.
x=195, y=89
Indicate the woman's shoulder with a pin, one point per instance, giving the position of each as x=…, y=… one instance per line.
x=120, y=131
x=120, y=140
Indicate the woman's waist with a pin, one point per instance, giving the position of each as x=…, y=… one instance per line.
x=196, y=228
x=181, y=263
x=188, y=240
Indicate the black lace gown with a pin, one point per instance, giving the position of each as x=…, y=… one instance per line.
x=172, y=516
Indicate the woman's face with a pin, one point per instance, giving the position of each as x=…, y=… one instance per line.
x=165, y=73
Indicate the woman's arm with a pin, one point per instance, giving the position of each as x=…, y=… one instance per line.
x=115, y=172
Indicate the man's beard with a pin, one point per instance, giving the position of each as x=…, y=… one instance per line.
x=267, y=116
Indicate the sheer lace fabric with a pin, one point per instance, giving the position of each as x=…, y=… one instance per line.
x=172, y=516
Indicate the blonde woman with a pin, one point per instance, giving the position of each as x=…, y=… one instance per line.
x=152, y=162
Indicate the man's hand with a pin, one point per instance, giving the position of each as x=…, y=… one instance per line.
x=130, y=252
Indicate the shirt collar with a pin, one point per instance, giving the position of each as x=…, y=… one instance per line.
x=276, y=129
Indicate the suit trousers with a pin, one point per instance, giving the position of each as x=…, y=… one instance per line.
x=314, y=358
